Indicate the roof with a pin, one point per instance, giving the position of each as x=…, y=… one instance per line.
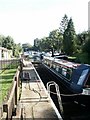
x=5, y=49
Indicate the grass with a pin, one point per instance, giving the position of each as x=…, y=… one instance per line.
x=6, y=79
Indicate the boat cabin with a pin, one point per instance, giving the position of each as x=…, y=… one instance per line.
x=80, y=78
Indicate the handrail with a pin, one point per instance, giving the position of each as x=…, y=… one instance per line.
x=49, y=84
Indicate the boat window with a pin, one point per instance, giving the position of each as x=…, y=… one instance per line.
x=82, y=77
x=64, y=71
x=87, y=84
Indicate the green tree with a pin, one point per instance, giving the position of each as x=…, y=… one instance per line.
x=26, y=47
x=64, y=24
x=52, y=43
x=81, y=40
x=17, y=49
x=55, y=40
x=8, y=42
x=44, y=44
x=1, y=39
x=69, y=39
x=86, y=46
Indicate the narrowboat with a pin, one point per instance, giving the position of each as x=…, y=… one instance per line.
x=76, y=77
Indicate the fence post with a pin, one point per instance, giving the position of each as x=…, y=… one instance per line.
x=21, y=65
x=5, y=110
x=1, y=111
x=16, y=91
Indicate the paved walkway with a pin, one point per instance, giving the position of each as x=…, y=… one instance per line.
x=35, y=101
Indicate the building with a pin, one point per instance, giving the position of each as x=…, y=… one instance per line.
x=36, y=42
x=89, y=15
x=5, y=53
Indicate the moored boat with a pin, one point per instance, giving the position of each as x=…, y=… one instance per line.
x=76, y=77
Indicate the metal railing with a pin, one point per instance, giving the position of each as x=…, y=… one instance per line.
x=52, y=83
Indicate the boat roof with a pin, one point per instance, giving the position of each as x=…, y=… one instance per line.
x=63, y=63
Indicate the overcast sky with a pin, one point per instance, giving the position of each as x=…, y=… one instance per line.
x=25, y=20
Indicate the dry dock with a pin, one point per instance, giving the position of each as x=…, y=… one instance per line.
x=35, y=101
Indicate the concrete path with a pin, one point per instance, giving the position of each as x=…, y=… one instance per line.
x=35, y=101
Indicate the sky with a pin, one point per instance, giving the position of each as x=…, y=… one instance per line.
x=26, y=20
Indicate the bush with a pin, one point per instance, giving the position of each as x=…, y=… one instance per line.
x=83, y=58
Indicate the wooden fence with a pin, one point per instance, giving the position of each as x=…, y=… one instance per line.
x=6, y=64
x=8, y=107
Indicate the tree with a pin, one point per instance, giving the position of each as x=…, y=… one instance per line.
x=86, y=46
x=56, y=40
x=51, y=43
x=26, y=47
x=1, y=39
x=69, y=39
x=44, y=44
x=81, y=40
x=8, y=42
x=63, y=24
x=17, y=49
